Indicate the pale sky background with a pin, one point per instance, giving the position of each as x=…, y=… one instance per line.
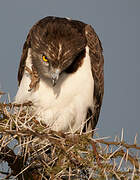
x=117, y=22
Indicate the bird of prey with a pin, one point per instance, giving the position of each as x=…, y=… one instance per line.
x=61, y=72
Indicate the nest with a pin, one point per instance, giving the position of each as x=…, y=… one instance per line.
x=32, y=151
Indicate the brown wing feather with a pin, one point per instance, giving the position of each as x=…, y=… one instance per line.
x=97, y=63
x=23, y=58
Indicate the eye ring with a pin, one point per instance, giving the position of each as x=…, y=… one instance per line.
x=44, y=58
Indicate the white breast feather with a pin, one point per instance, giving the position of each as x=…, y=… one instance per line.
x=61, y=107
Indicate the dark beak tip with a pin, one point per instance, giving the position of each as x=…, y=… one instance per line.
x=53, y=82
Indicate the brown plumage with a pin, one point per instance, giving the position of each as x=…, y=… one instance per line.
x=97, y=64
x=74, y=36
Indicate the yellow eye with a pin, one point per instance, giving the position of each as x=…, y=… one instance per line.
x=44, y=58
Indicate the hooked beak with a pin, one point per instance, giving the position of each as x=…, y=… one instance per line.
x=54, y=81
x=55, y=76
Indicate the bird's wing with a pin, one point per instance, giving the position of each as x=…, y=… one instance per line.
x=97, y=63
x=23, y=58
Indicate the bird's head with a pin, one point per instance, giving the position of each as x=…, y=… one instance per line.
x=54, y=49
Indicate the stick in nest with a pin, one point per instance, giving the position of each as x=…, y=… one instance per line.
x=2, y=93
x=34, y=78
